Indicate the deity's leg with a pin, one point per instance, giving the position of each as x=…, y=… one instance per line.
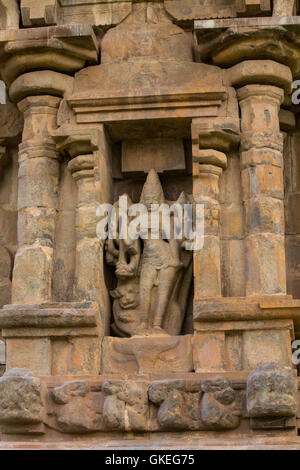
x=166, y=279
x=148, y=275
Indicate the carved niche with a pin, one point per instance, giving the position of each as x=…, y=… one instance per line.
x=154, y=272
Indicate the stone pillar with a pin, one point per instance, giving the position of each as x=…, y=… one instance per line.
x=89, y=246
x=89, y=154
x=263, y=191
x=37, y=199
x=210, y=145
x=207, y=169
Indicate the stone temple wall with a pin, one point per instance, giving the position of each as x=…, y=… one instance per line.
x=193, y=102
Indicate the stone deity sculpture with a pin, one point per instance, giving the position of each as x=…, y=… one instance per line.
x=154, y=272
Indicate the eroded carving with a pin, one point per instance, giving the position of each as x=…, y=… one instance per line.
x=126, y=405
x=271, y=394
x=22, y=398
x=178, y=409
x=213, y=405
x=220, y=408
x=80, y=410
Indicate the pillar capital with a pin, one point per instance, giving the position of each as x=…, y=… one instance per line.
x=29, y=103
x=42, y=82
x=265, y=92
x=72, y=142
x=82, y=167
x=262, y=72
x=221, y=135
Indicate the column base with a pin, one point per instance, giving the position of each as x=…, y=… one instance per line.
x=240, y=333
x=52, y=338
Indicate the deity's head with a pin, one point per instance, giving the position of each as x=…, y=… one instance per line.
x=152, y=192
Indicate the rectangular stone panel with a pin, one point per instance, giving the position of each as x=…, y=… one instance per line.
x=209, y=352
x=159, y=154
x=29, y=353
x=266, y=346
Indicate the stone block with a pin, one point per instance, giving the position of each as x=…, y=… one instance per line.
x=265, y=264
x=220, y=408
x=233, y=268
x=264, y=215
x=142, y=355
x=209, y=352
x=207, y=268
x=262, y=180
x=163, y=155
x=38, y=183
x=22, y=398
x=41, y=13
x=211, y=404
x=126, y=406
x=284, y=8
x=32, y=275
x=76, y=356
x=29, y=352
x=271, y=392
x=266, y=346
x=79, y=411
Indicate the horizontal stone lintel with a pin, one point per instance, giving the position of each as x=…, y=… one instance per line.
x=256, y=22
x=60, y=315
x=148, y=105
x=240, y=326
x=246, y=309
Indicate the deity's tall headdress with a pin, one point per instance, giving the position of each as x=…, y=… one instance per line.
x=153, y=187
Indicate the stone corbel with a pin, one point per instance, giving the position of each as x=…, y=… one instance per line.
x=72, y=141
x=40, y=13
